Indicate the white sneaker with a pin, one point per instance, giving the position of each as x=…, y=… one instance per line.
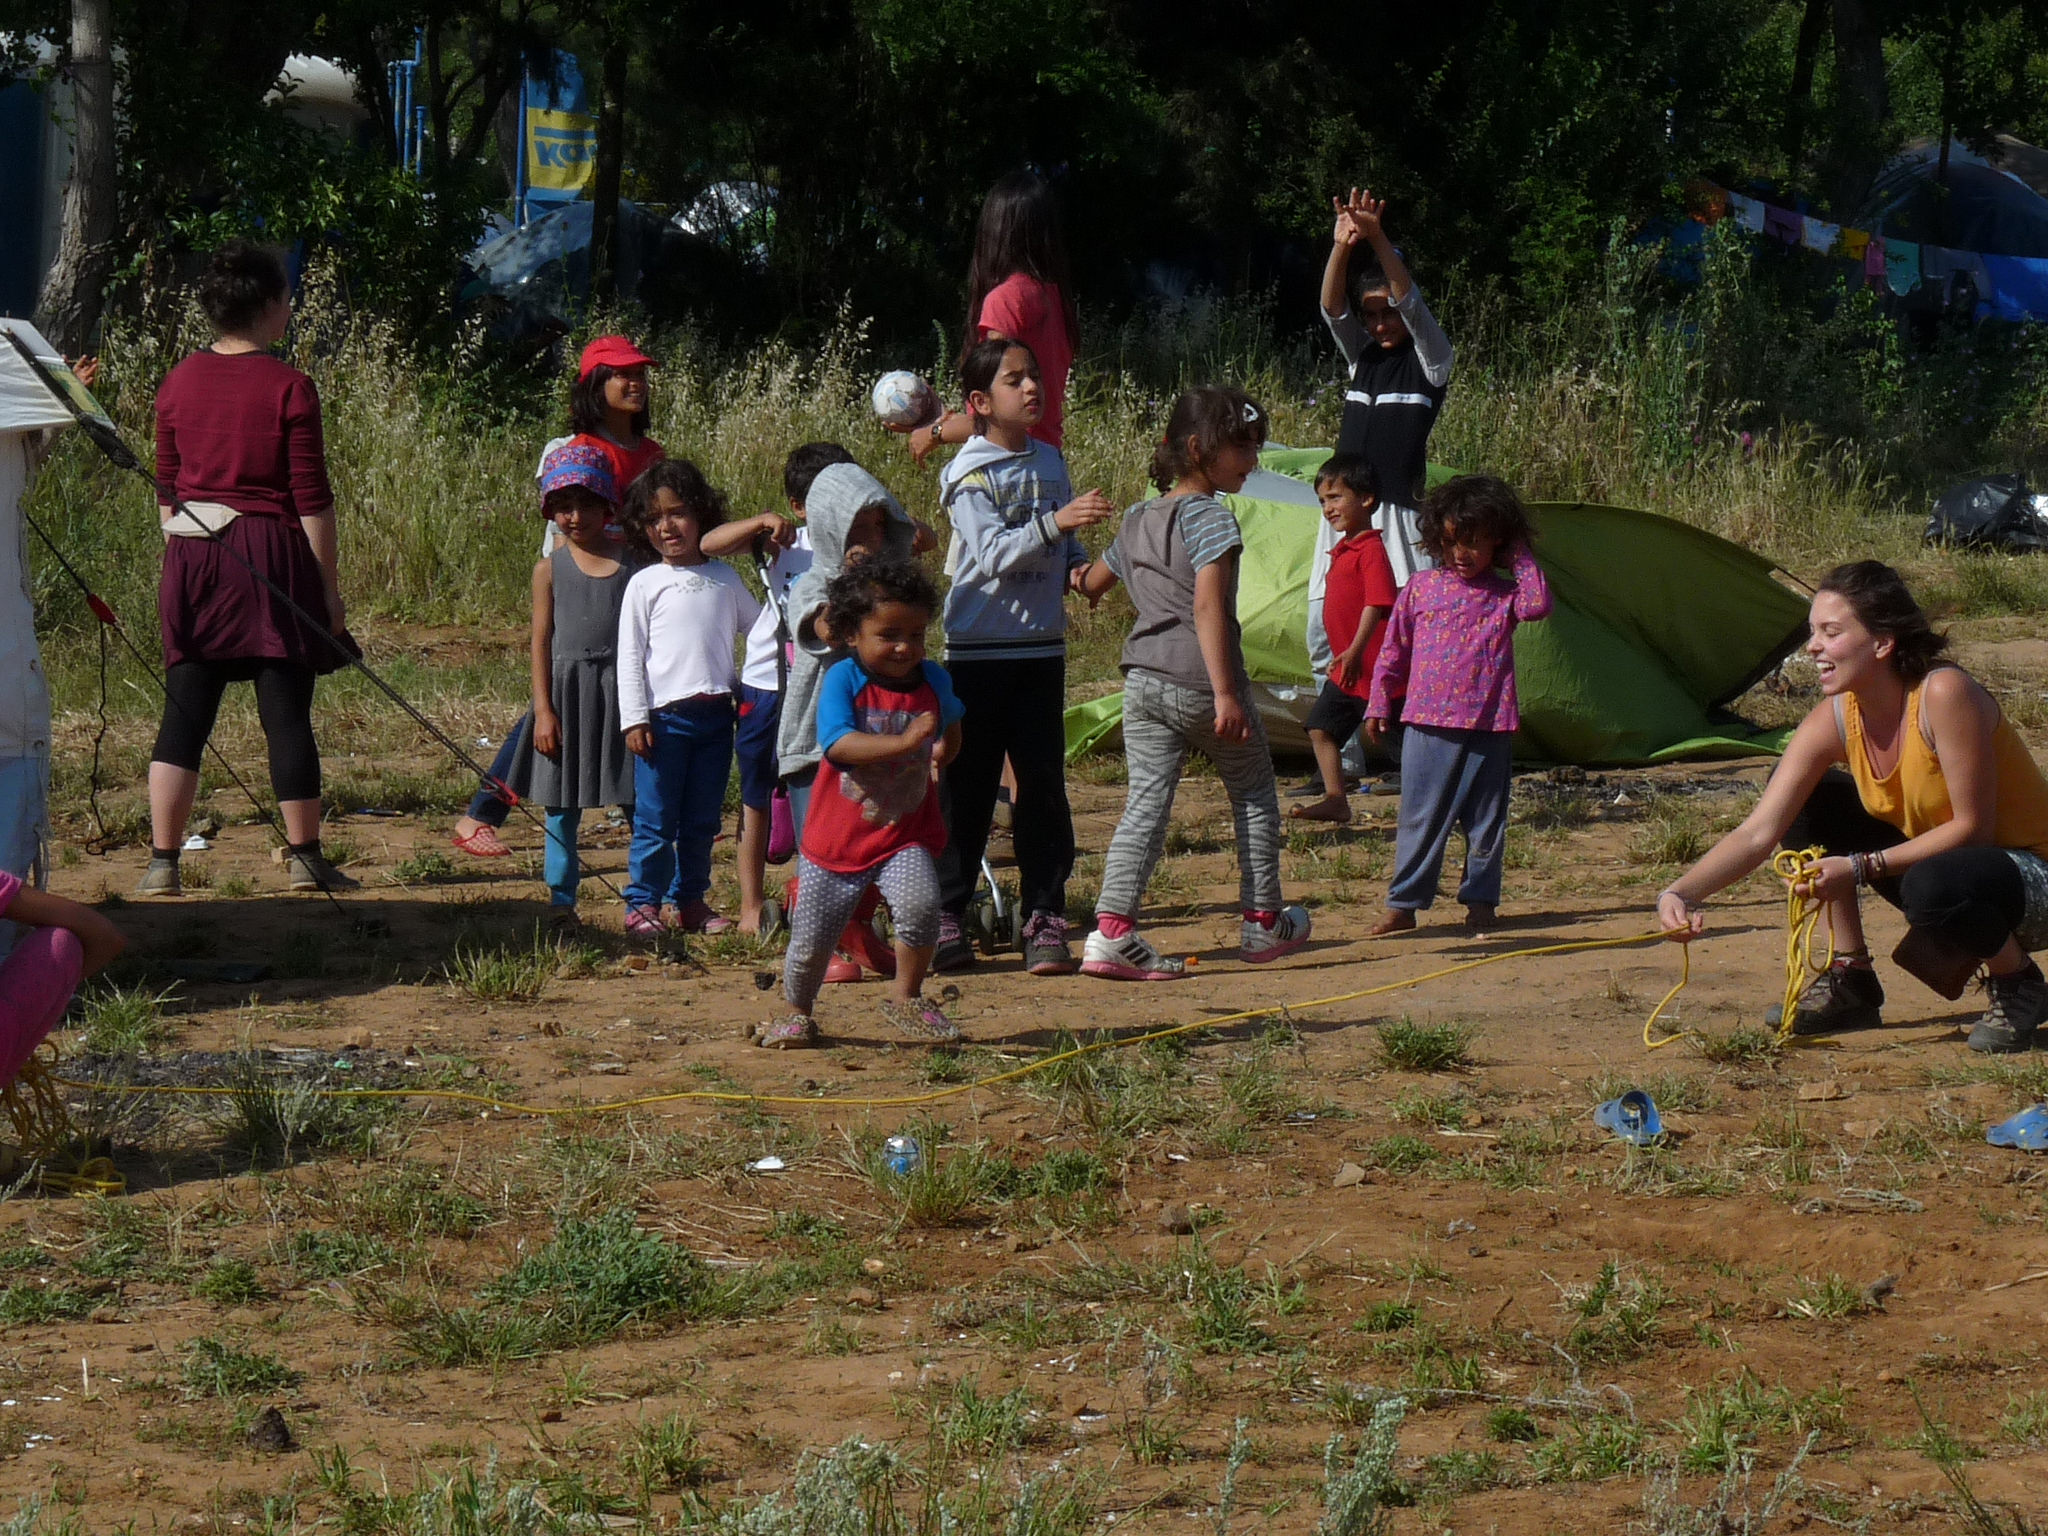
x=1129, y=958
x=1289, y=932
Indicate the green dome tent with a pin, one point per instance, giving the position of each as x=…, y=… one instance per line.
x=1656, y=625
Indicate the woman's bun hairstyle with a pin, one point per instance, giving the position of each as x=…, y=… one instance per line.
x=240, y=282
x=1885, y=606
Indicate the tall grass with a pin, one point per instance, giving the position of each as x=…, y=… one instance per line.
x=1633, y=394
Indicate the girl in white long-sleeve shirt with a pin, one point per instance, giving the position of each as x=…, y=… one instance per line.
x=677, y=684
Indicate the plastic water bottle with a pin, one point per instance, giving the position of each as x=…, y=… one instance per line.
x=902, y=1154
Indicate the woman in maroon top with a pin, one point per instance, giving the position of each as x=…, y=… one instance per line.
x=239, y=452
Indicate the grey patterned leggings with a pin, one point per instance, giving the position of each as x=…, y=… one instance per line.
x=825, y=901
x=1163, y=722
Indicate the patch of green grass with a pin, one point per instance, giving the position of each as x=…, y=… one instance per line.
x=1743, y=1046
x=481, y=1336
x=1402, y=1045
x=1512, y=1425
x=1155, y=1444
x=1591, y=1447
x=1657, y=1171
x=1457, y=1472
x=1618, y=1317
x=507, y=973
x=1219, y=1302
x=1433, y=1365
x=1444, y=1111
x=2025, y=1420
x=1827, y=1298
x=1721, y=1424
x=804, y=1227
x=663, y=1456
x=827, y=1335
x=1386, y=1317
x=23, y=1303
x=969, y=1422
x=338, y=1254
x=595, y=1278
x=121, y=1244
x=412, y=1202
x=215, y=1367
x=429, y=866
x=122, y=1021
x=1401, y=1154
x=231, y=1282
x=275, y=1119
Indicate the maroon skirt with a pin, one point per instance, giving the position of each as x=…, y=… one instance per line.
x=212, y=609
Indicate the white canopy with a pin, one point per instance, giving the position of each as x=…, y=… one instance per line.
x=26, y=404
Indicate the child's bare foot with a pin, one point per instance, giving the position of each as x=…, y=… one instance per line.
x=1334, y=809
x=1395, y=920
x=1481, y=917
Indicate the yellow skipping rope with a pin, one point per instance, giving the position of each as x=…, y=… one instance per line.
x=936, y=1095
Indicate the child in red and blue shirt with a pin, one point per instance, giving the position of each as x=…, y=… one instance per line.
x=1358, y=594
x=887, y=722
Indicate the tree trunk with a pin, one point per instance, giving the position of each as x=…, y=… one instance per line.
x=69, y=309
x=604, y=193
x=1800, y=99
x=1864, y=104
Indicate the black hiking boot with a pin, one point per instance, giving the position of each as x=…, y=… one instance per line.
x=2019, y=1004
x=1843, y=997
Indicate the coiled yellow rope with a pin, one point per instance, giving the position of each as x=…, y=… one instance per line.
x=42, y=1125
x=1802, y=918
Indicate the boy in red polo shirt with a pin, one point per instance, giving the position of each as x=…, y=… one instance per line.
x=1358, y=596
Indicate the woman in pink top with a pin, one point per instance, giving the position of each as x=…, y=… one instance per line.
x=1019, y=288
x=61, y=944
x=1447, y=669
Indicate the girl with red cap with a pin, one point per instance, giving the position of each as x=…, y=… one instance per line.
x=608, y=409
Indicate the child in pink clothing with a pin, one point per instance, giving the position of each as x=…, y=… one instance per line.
x=64, y=943
x=1449, y=658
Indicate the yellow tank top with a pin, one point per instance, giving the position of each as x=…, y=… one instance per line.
x=1914, y=796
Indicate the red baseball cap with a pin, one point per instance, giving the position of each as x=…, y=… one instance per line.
x=612, y=352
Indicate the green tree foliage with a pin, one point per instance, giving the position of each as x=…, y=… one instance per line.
x=1204, y=136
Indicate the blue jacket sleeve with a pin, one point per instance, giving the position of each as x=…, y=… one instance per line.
x=950, y=707
x=837, y=690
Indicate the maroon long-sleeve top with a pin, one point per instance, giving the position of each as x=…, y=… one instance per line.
x=241, y=429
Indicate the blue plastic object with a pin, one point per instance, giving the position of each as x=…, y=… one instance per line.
x=2027, y=1130
x=1633, y=1117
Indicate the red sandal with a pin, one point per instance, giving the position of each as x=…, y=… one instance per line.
x=483, y=843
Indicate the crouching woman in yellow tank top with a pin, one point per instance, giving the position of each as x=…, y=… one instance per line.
x=1941, y=810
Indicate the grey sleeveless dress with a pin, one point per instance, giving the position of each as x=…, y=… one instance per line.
x=593, y=768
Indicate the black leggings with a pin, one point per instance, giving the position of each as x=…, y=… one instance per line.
x=1971, y=897
x=284, y=702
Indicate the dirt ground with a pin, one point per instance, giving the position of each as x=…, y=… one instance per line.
x=1102, y=1269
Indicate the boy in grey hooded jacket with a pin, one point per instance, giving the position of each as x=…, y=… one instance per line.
x=840, y=534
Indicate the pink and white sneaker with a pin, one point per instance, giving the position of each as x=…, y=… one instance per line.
x=1129, y=958
x=1289, y=931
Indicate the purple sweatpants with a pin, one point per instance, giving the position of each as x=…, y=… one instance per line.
x=36, y=982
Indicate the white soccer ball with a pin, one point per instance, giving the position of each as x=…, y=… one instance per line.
x=903, y=400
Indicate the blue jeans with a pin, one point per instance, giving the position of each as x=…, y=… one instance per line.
x=24, y=824
x=1451, y=779
x=484, y=805
x=678, y=797
x=559, y=866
